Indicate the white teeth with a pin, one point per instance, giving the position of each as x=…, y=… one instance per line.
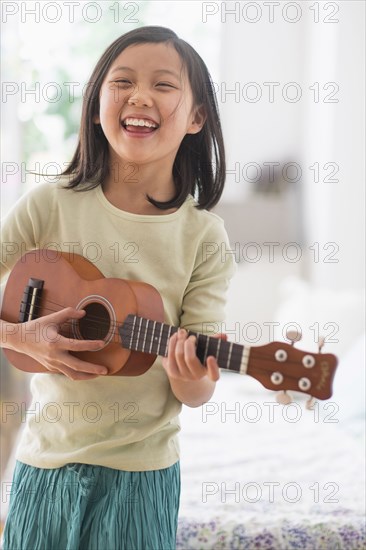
x=139, y=122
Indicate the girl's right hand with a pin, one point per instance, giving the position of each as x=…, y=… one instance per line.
x=40, y=339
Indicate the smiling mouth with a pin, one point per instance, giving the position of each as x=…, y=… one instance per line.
x=139, y=125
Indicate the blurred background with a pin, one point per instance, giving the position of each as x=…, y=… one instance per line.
x=289, y=80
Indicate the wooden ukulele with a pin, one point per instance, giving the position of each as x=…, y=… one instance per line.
x=129, y=315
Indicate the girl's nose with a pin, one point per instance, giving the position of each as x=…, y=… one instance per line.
x=140, y=97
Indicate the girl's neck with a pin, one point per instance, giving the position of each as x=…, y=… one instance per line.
x=128, y=184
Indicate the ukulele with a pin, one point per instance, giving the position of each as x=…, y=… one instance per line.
x=129, y=317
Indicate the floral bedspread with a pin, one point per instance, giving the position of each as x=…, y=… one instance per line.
x=324, y=533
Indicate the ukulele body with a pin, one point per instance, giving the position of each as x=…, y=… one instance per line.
x=71, y=280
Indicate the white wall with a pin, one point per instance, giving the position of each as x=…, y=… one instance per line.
x=326, y=47
x=334, y=212
x=260, y=52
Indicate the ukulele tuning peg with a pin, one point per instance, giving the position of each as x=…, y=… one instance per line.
x=309, y=405
x=293, y=336
x=321, y=343
x=284, y=398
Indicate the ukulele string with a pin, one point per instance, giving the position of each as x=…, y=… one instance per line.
x=235, y=356
x=149, y=334
x=93, y=318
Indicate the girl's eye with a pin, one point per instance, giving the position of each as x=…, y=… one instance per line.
x=165, y=84
x=124, y=82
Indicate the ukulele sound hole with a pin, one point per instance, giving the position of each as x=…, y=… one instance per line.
x=96, y=322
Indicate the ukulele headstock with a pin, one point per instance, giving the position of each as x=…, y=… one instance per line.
x=281, y=366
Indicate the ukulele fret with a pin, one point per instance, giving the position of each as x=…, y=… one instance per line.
x=213, y=344
x=138, y=333
x=167, y=341
x=146, y=322
x=206, y=350
x=234, y=357
x=229, y=356
x=218, y=349
x=210, y=348
x=171, y=330
x=152, y=337
x=160, y=335
x=132, y=332
x=221, y=354
x=163, y=344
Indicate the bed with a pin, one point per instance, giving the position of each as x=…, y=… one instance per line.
x=266, y=477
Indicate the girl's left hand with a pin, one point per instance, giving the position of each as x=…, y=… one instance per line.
x=182, y=362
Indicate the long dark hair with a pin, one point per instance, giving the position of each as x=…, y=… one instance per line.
x=199, y=167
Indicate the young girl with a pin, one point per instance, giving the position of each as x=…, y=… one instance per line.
x=148, y=166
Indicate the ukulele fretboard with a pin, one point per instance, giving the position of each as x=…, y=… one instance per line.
x=148, y=336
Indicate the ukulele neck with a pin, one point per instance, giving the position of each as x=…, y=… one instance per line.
x=148, y=336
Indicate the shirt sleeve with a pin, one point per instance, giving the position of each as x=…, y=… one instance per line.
x=203, y=308
x=23, y=228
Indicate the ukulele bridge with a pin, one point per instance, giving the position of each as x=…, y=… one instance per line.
x=31, y=300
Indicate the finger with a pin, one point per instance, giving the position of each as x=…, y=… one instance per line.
x=169, y=362
x=67, y=313
x=193, y=364
x=221, y=335
x=213, y=370
x=66, y=359
x=83, y=366
x=81, y=345
x=179, y=350
x=72, y=374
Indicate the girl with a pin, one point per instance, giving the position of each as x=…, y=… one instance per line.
x=148, y=166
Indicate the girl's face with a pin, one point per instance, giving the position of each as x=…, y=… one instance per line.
x=146, y=104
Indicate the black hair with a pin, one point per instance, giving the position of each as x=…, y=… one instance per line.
x=199, y=167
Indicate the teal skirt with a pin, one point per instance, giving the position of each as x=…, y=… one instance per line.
x=85, y=507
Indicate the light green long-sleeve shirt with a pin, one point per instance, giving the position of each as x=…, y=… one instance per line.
x=126, y=423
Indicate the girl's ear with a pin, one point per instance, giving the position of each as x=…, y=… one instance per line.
x=198, y=119
x=96, y=119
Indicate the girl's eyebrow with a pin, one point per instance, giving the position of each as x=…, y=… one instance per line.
x=166, y=71
x=120, y=68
